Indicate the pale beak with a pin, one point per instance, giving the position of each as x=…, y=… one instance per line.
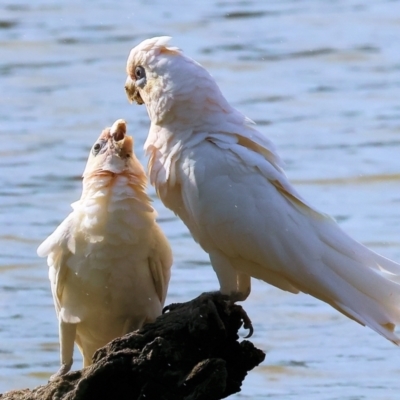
x=118, y=130
x=132, y=91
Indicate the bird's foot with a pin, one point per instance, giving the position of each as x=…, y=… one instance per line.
x=171, y=307
x=247, y=323
x=62, y=371
x=232, y=298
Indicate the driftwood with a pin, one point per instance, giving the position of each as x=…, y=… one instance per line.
x=189, y=353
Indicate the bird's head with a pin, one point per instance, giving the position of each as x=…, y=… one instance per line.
x=170, y=84
x=112, y=153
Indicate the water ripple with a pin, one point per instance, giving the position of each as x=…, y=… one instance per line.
x=321, y=79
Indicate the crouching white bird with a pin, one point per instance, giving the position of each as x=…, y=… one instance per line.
x=224, y=180
x=109, y=262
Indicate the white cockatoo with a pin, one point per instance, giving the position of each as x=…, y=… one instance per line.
x=224, y=179
x=109, y=262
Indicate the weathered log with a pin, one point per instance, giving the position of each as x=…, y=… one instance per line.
x=190, y=353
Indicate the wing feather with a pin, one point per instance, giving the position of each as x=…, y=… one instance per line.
x=246, y=209
x=160, y=261
x=58, y=248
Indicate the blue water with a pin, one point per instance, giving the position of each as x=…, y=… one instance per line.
x=321, y=79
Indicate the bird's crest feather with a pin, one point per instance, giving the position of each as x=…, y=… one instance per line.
x=159, y=45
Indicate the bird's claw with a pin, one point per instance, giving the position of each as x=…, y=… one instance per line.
x=247, y=324
x=170, y=307
x=233, y=298
x=62, y=371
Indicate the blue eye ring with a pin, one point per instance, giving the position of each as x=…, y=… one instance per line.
x=139, y=72
x=96, y=148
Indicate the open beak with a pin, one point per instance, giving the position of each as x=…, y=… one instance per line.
x=118, y=130
x=131, y=91
x=123, y=143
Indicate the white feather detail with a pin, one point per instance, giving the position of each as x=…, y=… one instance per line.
x=225, y=181
x=237, y=202
x=111, y=225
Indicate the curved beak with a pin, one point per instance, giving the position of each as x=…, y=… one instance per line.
x=130, y=89
x=118, y=130
x=132, y=92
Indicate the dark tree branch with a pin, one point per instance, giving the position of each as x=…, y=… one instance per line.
x=190, y=353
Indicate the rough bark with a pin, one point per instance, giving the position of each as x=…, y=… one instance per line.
x=190, y=353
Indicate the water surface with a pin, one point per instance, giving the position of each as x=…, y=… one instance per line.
x=321, y=79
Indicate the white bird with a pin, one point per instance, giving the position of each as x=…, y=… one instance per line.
x=109, y=262
x=224, y=179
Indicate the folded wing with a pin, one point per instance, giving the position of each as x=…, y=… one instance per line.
x=247, y=210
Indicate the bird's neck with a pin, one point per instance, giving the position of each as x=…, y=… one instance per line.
x=114, y=187
x=113, y=204
x=189, y=121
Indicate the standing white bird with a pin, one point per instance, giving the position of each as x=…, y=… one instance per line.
x=224, y=180
x=109, y=262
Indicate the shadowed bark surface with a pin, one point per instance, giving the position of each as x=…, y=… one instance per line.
x=188, y=353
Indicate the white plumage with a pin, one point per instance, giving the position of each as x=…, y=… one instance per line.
x=109, y=262
x=225, y=181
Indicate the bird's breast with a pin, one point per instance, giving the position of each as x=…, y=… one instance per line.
x=111, y=224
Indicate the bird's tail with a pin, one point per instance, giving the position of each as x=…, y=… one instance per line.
x=362, y=284
x=337, y=269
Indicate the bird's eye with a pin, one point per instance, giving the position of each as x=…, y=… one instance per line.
x=139, y=72
x=96, y=148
